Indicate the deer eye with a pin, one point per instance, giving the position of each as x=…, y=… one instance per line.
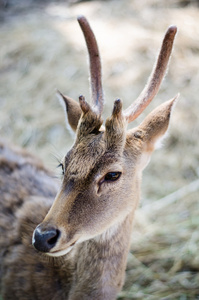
x=112, y=176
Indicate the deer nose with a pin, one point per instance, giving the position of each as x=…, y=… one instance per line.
x=45, y=240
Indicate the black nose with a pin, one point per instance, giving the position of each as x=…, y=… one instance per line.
x=45, y=240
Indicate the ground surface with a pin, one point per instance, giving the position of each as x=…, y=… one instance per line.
x=42, y=49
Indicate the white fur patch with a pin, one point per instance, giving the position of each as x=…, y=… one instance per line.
x=145, y=159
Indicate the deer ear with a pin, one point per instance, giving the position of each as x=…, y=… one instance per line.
x=73, y=110
x=153, y=129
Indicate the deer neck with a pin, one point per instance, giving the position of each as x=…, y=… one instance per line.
x=98, y=261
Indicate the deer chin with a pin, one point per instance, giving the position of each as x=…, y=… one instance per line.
x=60, y=252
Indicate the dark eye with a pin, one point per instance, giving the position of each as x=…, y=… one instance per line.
x=61, y=166
x=112, y=176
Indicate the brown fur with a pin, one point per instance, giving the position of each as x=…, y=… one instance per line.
x=90, y=270
x=92, y=214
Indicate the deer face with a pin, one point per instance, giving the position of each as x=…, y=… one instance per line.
x=100, y=185
x=97, y=183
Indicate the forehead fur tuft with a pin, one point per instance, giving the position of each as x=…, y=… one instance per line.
x=115, y=128
x=89, y=123
x=89, y=133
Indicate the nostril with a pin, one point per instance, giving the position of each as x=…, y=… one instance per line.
x=44, y=240
x=53, y=239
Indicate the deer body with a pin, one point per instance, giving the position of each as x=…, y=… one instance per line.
x=26, y=274
x=83, y=237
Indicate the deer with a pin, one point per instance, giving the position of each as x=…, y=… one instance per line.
x=71, y=241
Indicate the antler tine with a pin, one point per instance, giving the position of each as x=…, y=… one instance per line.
x=155, y=79
x=95, y=64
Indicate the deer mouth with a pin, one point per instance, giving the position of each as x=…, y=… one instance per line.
x=62, y=252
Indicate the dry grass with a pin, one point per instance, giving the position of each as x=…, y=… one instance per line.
x=42, y=49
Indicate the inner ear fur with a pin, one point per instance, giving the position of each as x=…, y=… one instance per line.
x=154, y=126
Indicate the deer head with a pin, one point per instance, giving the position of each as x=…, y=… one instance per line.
x=102, y=171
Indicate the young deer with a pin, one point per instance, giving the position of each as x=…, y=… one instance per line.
x=87, y=231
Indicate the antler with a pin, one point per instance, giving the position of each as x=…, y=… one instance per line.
x=155, y=79
x=95, y=64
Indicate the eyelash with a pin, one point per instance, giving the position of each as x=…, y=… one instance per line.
x=61, y=166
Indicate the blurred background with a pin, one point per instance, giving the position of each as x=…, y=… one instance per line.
x=42, y=49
